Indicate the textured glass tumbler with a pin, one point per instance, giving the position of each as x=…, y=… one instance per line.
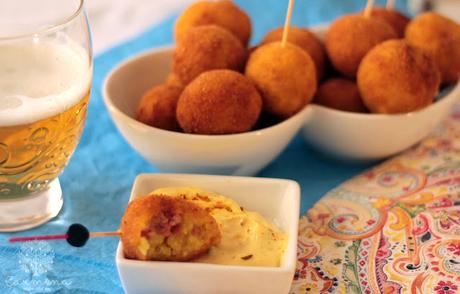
x=45, y=78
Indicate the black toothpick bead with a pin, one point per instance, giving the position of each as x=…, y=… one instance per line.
x=77, y=235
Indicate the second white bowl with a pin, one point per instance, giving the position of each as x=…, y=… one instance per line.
x=362, y=137
x=358, y=137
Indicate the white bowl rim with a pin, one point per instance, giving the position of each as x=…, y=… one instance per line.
x=108, y=102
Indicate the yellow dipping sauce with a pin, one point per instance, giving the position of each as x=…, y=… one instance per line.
x=247, y=238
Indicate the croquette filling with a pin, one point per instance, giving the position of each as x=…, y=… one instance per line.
x=173, y=234
x=166, y=224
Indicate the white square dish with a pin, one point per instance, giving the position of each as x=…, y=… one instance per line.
x=275, y=199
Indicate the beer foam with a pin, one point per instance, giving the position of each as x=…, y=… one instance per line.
x=40, y=79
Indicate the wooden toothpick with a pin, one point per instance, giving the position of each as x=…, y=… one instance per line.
x=368, y=9
x=287, y=23
x=105, y=234
x=390, y=4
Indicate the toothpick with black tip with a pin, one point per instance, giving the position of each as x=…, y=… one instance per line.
x=77, y=235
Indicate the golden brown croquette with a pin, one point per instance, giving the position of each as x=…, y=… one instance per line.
x=206, y=48
x=394, y=18
x=157, y=107
x=350, y=37
x=222, y=13
x=167, y=229
x=396, y=77
x=341, y=94
x=219, y=102
x=286, y=77
x=438, y=36
x=304, y=39
x=174, y=81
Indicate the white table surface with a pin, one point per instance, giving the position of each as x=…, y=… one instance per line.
x=114, y=21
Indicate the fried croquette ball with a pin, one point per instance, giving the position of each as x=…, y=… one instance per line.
x=341, y=94
x=395, y=19
x=167, y=229
x=305, y=40
x=174, y=81
x=157, y=107
x=222, y=13
x=206, y=48
x=396, y=77
x=286, y=77
x=219, y=102
x=350, y=37
x=439, y=37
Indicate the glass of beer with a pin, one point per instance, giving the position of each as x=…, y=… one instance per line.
x=45, y=77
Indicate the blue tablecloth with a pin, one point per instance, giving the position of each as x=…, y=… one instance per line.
x=97, y=182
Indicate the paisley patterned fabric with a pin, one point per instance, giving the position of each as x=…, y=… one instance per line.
x=393, y=229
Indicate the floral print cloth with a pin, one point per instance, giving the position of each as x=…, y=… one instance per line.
x=393, y=229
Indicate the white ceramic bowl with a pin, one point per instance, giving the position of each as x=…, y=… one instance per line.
x=277, y=200
x=362, y=137
x=239, y=154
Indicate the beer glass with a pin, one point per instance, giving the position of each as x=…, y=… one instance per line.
x=45, y=77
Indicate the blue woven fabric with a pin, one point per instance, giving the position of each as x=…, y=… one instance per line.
x=97, y=182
